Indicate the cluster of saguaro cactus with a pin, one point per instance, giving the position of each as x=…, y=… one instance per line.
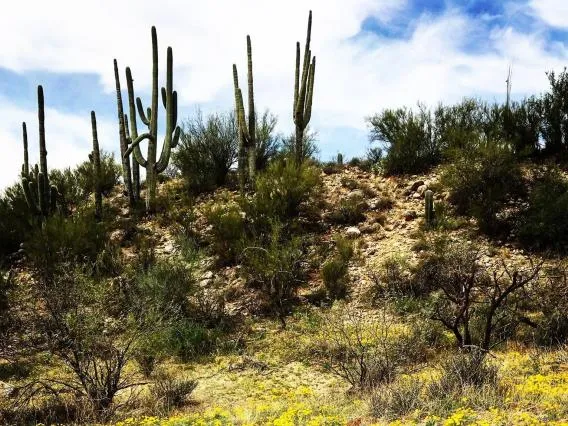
x=429, y=208
x=95, y=158
x=130, y=172
x=247, y=130
x=151, y=163
x=303, y=93
x=40, y=195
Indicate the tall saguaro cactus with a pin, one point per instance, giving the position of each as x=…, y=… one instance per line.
x=40, y=196
x=151, y=163
x=96, y=160
x=303, y=92
x=247, y=130
x=126, y=169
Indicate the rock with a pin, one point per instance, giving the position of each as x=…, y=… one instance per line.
x=6, y=389
x=416, y=196
x=422, y=189
x=207, y=275
x=352, y=232
x=168, y=248
x=117, y=235
x=410, y=215
x=370, y=228
x=357, y=193
x=416, y=185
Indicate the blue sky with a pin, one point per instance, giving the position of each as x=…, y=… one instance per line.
x=372, y=54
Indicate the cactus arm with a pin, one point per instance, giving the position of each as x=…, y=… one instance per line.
x=296, y=77
x=172, y=131
x=141, y=112
x=137, y=142
x=310, y=95
x=135, y=165
x=26, y=165
x=53, y=198
x=29, y=195
x=241, y=116
x=164, y=97
x=138, y=156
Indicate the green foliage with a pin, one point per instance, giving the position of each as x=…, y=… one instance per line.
x=555, y=114
x=350, y=210
x=283, y=191
x=408, y=137
x=207, y=150
x=268, y=143
x=15, y=222
x=227, y=222
x=109, y=175
x=543, y=224
x=334, y=270
x=276, y=266
x=482, y=182
x=170, y=392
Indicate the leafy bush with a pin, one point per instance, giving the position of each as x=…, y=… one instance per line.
x=110, y=175
x=70, y=193
x=310, y=148
x=227, y=221
x=397, y=399
x=350, y=210
x=283, y=191
x=170, y=392
x=15, y=220
x=543, y=224
x=268, y=144
x=408, y=138
x=482, y=182
x=277, y=267
x=555, y=114
x=334, y=270
x=207, y=150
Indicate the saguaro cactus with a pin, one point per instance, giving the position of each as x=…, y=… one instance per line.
x=40, y=196
x=126, y=169
x=96, y=160
x=303, y=92
x=429, y=207
x=340, y=159
x=153, y=165
x=247, y=131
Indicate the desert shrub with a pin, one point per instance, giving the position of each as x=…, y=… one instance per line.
x=334, y=270
x=364, y=350
x=482, y=182
x=479, y=305
x=309, y=149
x=284, y=190
x=522, y=126
x=350, y=210
x=395, y=280
x=397, y=399
x=110, y=175
x=170, y=392
x=227, y=221
x=408, y=138
x=70, y=193
x=543, y=224
x=268, y=143
x=189, y=340
x=277, y=267
x=15, y=220
x=207, y=150
x=554, y=105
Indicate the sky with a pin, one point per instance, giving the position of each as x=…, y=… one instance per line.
x=371, y=55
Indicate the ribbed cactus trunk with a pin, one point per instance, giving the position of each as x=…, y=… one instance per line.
x=96, y=159
x=135, y=165
x=246, y=128
x=126, y=170
x=303, y=93
x=40, y=196
x=151, y=163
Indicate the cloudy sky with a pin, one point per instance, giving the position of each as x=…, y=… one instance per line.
x=371, y=54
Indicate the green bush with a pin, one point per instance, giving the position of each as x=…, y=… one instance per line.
x=227, y=221
x=70, y=193
x=543, y=224
x=110, y=175
x=15, y=220
x=408, y=138
x=268, y=143
x=482, y=182
x=169, y=392
x=207, y=150
x=554, y=105
x=276, y=266
x=349, y=211
x=334, y=270
x=284, y=191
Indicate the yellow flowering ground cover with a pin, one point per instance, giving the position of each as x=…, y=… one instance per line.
x=287, y=392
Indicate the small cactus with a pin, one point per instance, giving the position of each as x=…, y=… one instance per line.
x=429, y=208
x=40, y=196
x=340, y=159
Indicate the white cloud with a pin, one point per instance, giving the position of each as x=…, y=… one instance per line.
x=357, y=74
x=553, y=12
